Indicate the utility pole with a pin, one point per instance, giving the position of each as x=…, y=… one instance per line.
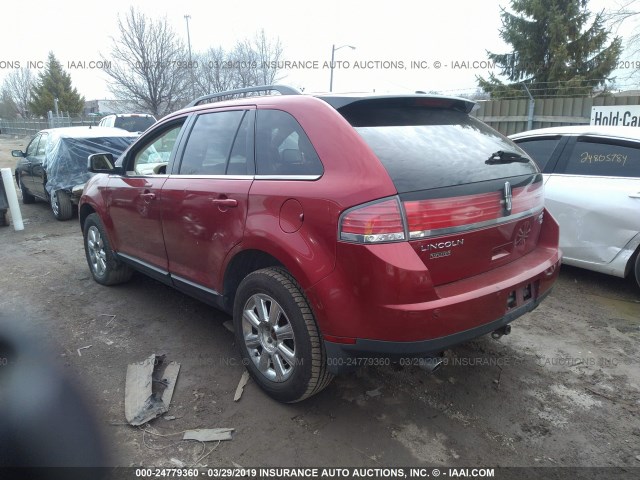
x=190, y=65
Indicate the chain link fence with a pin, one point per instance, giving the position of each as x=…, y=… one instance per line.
x=31, y=126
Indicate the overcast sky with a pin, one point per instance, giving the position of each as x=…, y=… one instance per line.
x=388, y=36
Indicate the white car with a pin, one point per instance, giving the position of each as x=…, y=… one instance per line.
x=592, y=188
x=131, y=122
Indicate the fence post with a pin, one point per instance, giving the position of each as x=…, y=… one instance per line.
x=532, y=104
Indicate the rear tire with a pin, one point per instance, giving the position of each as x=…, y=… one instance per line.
x=278, y=338
x=27, y=198
x=61, y=205
x=105, y=268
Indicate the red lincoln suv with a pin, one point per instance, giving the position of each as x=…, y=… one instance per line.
x=335, y=229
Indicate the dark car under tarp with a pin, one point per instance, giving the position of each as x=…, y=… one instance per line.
x=66, y=155
x=53, y=167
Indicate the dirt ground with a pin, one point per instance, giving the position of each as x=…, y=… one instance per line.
x=562, y=390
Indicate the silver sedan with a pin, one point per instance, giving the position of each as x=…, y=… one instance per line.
x=592, y=188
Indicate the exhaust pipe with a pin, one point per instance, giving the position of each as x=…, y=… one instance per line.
x=430, y=364
x=497, y=334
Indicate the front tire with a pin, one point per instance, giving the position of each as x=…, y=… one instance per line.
x=278, y=338
x=61, y=205
x=105, y=268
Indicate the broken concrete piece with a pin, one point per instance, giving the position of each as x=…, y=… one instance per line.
x=148, y=389
x=208, y=434
x=178, y=463
x=241, y=384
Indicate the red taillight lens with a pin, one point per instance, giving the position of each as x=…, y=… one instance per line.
x=427, y=215
x=443, y=215
x=373, y=223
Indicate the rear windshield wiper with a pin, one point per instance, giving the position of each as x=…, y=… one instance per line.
x=500, y=157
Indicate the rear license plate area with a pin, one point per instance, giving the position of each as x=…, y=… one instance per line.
x=521, y=295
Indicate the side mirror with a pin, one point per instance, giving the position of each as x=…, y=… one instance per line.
x=17, y=153
x=102, y=163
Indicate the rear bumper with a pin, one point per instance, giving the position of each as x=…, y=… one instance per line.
x=342, y=358
x=380, y=301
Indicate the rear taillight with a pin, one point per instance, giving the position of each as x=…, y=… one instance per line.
x=439, y=216
x=376, y=222
x=383, y=221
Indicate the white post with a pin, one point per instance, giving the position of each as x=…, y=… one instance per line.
x=12, y=198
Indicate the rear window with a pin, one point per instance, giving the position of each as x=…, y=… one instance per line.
x=134, y=124
x=425, y=148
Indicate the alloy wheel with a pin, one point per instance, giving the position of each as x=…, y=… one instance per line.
x=97, y=255
x=269, y=338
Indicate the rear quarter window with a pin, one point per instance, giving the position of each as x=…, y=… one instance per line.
x=283, y=148
x=426, y=148
x=604, y=157
x=539, y=149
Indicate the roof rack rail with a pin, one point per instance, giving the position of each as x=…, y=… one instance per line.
x=282, y=89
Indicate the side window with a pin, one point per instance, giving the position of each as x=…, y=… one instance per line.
x=539, y=149
x=209, y=145
x=42, y=145
x=282, y=146
x=612, y=159
x=33, y=146
x=154, y=157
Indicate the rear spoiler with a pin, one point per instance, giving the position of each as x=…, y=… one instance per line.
x=428, y=101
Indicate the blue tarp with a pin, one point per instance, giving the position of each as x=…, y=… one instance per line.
x=66, y=154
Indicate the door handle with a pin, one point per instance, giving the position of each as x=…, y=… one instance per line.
x=147, y=197
x=224, y=202
x=634, y=195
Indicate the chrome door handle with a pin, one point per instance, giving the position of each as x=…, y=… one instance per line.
x=224, y=202
x=147, y=197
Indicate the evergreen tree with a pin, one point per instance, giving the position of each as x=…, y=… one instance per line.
x=53, y=83
x=555, y=50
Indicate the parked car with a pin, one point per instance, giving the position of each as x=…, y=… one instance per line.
x=131, y=122
x=337, y=230
x=53, y=168
x=592, y=187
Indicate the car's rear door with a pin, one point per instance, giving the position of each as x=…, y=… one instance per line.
x=594, y=194
x=205, y=198
x=135, y=204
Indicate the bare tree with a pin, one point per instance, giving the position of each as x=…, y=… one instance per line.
x=149, y=65
x=269, y=53
x=250, y=63
x=245, y=60
x=214, y=72
x=17, y=86
x=624, y=12
x=7, y=105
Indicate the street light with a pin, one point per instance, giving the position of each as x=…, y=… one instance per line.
x=189, y=65
x=333, y=53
